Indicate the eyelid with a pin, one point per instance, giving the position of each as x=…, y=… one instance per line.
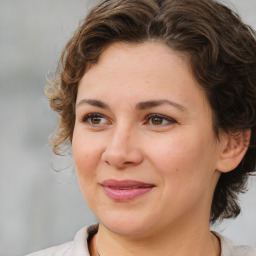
x=164, y=117
x=85, y=118
x=169, y=120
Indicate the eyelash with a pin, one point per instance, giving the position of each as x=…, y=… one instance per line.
x=160, y=117
x=88, y=119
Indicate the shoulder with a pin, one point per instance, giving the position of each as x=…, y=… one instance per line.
x=60, y=250
x=79, y=246
x=228, y=248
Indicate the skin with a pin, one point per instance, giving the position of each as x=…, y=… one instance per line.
x=178, y=153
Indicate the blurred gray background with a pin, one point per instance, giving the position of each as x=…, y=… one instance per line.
x=40, y=207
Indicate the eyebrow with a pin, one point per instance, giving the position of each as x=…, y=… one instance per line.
x=95, y=103
x=155, y=103
x=140, y=106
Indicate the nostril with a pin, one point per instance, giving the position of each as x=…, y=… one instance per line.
x=121, y=158
x=124, y=163
x=107, y=162
x=128, y=163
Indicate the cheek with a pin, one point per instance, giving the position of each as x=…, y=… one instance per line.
x=186, y=172
x=184, y=160
x=86, y=157
x=85, y=164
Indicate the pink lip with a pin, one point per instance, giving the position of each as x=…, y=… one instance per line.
x=125, y=190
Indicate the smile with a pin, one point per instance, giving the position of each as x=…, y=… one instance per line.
x=125, y=190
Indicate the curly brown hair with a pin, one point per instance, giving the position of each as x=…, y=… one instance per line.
x=222, y=54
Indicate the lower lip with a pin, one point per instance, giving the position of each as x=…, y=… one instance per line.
x=125, y=194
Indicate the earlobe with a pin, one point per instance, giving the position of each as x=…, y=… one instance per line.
x=234, y=148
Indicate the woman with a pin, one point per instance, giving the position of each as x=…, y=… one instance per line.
x=158, y=100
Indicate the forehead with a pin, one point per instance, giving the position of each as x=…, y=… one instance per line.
x=149, y=60
x=149, y=69
x=150, y=53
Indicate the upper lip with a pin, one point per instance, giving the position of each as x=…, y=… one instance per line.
x=125, y=184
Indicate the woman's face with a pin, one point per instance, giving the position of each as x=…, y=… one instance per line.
x=143, y=143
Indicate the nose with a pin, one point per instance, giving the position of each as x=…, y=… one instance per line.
x=122, y=150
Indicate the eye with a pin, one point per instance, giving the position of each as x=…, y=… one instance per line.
x=95, y=119
x=159, y=120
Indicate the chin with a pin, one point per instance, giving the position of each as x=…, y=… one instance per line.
x=126, y=229
x=129, y=225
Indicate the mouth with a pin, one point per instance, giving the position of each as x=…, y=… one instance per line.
x=125, y=190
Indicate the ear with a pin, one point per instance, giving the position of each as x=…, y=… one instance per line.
x=233, y=149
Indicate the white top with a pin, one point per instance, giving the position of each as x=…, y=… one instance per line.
x=79, y=247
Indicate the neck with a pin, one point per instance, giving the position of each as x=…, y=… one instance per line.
x=171, y=241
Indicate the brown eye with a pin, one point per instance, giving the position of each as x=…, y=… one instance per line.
x=156, y=121
x=95, y=119
x=159, y=120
